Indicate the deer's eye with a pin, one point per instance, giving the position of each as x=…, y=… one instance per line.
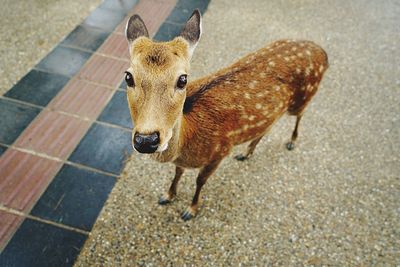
x=129, y=79
x=182, y=81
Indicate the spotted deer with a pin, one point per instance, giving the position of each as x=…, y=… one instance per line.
x=195, y=124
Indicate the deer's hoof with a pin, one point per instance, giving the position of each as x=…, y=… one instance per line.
x=290, y=146
x=188, y=214
x=164, y=200
x=241, y=157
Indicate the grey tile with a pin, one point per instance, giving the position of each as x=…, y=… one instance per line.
x=39, y=244
x=38, y=87
x=64, y=60
x=168, y=31
x=75, y=197
x=117, y=111
x=14, y=119
x=104, y=148
x=104, y=19
x=86, y=37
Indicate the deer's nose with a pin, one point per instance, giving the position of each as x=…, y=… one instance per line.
x=146, y=143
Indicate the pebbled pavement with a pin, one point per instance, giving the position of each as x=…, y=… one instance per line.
x=333, y=200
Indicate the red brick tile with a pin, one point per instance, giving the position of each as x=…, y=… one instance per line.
x=153, y=13
x=82, y=98
x=116, y=45
x=53, y=133
x=9, y=224
x=23, y=178
x=104, y=70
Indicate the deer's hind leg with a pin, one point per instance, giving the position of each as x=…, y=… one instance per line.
x=290, y=145
x=250, y=149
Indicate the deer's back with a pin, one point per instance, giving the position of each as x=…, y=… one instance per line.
x=241, y=102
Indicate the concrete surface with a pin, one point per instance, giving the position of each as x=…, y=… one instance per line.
x=30, y=29
x=334, y=200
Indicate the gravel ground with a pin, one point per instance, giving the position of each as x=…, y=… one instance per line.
x=30, y=29
x=334, y=200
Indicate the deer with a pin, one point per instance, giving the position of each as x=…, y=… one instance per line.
x=195, y=124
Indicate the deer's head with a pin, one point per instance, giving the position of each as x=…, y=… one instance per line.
x=156, y=80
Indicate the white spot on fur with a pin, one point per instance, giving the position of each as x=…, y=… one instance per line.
x=321, y=69
x=260, y=123
x=307, y=71
x=217, y=147
x=277, y=87
x=286, y=59
x=271, y=63
x=263, y=75
x=294, y=48
x=247, y=95
x=252, y=117
x=298, y=70
x=258, y=106
x=252, y=84
x=300, y=54
x=259, y=94
x=308, y=52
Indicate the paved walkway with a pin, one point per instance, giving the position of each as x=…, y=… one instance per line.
x=65, y=134
x=65, y=137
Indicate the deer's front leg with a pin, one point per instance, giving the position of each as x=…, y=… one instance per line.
x=205, y=172
x=167, y=198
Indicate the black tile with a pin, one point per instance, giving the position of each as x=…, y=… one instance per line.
x=117, y=111
x=75, y=197
x=13, y=119
x=38, y=87
x=86, y=37
x=185, y=8
x=64, y=60
x=104, y=148
x=2, y=149
x=104, y=19
x=122, y=6
x=168, y=31
x=39, y=244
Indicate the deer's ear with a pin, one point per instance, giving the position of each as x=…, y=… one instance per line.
x=192, y=30
x=135, y=28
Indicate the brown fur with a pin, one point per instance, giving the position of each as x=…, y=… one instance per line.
x=228, y=113
x=235, y=105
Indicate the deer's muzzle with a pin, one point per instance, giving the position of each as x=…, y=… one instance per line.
x=146, y=143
